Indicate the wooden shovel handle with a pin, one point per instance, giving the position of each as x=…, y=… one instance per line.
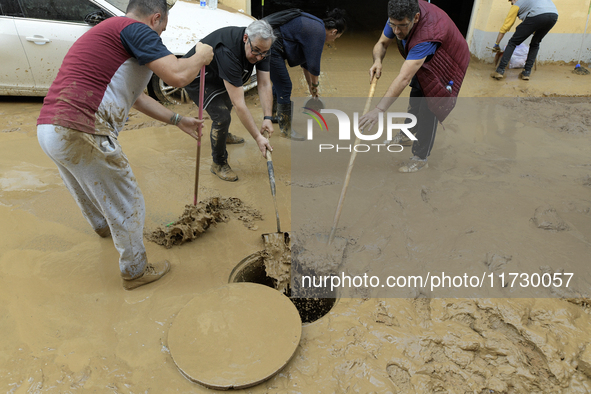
x=372, y=89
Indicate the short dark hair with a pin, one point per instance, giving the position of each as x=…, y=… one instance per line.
x=336, y=19
x=400, y=9
x=148, y=7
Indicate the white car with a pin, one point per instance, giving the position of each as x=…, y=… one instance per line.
x=35, y=35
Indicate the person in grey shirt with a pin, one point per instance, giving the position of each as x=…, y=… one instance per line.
x=539, y=17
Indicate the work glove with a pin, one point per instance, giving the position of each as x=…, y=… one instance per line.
x=496, y=48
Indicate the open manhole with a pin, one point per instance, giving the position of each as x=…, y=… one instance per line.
x=252, y=269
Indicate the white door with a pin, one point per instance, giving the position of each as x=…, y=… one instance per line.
x=47, y=32
x=46, y=44
x=15, y=72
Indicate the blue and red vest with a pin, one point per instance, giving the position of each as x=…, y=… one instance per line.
x=449, y=63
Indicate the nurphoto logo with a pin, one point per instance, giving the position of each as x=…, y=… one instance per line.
x=395, y=121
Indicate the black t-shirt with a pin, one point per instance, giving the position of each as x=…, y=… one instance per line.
x=229, y=62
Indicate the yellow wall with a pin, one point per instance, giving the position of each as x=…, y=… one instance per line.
x=572, y=15
x=238, y=4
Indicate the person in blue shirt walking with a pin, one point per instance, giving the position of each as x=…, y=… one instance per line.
x=300, y=41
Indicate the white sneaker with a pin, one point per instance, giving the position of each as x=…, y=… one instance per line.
x=400, y=139
x=414, y=164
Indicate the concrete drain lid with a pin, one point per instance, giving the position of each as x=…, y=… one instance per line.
x=235, y=336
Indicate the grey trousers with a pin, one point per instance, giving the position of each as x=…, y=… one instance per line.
x=104, y=187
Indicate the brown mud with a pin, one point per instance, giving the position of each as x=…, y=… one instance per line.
x=277, y=260
x=581, y=71
x=311, y=254
x=67, y=325
x=315, y=254
x=196, y=219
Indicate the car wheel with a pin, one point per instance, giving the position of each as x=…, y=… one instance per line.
x=166, y=93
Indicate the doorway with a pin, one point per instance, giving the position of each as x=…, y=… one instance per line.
x=363, y=18
x=459, y=11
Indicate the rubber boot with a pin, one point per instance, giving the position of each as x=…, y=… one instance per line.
x=284, y=115
x=275, y=118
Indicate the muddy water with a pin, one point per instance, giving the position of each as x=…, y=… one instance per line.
x=68, y=326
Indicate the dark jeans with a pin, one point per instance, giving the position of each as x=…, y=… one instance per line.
x=426, y=121
x=280, y=76
x=539, y=26
x=219, y=110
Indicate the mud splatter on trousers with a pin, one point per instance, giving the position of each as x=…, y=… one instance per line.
x=219, y=109
x=104, y=187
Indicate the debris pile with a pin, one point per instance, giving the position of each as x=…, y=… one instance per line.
x=196, y=219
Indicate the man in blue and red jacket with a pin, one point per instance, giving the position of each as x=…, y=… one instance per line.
x=436, y=59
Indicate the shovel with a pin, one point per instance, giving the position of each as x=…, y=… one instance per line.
x=314, y=103
x=278, y=238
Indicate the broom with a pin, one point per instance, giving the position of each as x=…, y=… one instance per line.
x=578, y=68
x=201, y=92
x=337, y=215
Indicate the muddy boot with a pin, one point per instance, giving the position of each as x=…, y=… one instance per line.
x=151, y=273
x=284, y=114
x=224, y=172
x=497, y=75
x=525, y=75
x=275, y=118
x=233, y=139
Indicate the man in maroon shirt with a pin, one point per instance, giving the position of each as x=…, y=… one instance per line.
x=102, y=76
x=436, y=59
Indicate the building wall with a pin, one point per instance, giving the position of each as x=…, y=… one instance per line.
x=563, y=43
x=243, y=5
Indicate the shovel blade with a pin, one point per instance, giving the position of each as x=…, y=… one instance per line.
x=276, y=239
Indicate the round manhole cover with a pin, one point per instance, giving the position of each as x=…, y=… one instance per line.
x=235, y=336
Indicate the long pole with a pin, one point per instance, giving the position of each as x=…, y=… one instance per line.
x=337, y=215
x=201, y=93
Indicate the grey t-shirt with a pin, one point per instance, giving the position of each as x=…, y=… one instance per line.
x=530, y=8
